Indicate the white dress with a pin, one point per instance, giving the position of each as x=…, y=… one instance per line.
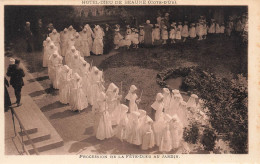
x=64, y=43
x=174, y=105
x=132, y=104
x=158, y=127
x=56, y=40
x=166, y=142
x=58, y=66
x=96, y=88
x=166, y=102
x=192, y=32
x=156, y=34
x=84, y=43
x=185, y=31
x=164, y=34
x=78, y=101
x=123, y=123
x=133, y=131
x=176, y=131
x=104, y=130
x=98, y=45
x=148, y=139
x=158, y=107
x=64, y=92
x=172, y=34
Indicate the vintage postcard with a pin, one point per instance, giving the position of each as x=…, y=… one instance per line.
x=125, y=81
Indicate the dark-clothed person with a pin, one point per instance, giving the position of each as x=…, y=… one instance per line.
x=16, y=75
x=28, y=36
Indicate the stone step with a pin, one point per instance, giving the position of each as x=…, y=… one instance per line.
x=55, y=140
x=52, y=143
x=37, y=137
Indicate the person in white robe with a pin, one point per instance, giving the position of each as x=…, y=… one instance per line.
x=156, y=34
x=166, y=100
x=98, y=44
x=158, y=127
x=131, y=99
x=58, y=65
x=78, y=42
x=123, y=123
x=174, y=104
x=117, y=39
x=55, y=37
x=142, y=117
x=84, y=43
x=164, y=35
x=70, y=49
x=113, y=103
x=64, y=41
x=200, y=31
x=178, y=35
x=90, y=36
x=166, y=140
x=79, y=101
x=133, y=130
x=51, y=67
x=46, y=47
x=85, y=74
x=183, y=113
x=180, y=26
x=176, y=131
x=192, y=31
x=172, y=33
x=64, y=92
x=71, y=31
x=148, y=138
x=177, y=92
x=185, y=31
x=192, y=104
x=104, y=129
x=75, y=60
x=96, y=85
x=69, y=55
x=158, y=106
x=135, y=39
x=65, y=77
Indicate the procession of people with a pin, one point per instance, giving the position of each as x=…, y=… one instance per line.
x=81, y=84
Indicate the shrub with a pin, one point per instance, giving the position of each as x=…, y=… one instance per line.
x=208, y=139
x=191, y=133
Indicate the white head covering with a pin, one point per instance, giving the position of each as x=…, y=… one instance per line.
x=102, y=96
x=77, y=34
x=148, y=21
x=192, y=101
x=54, y=31
x=48, y=39
x=142, y=112
x=148, y=119
x=73, y=48
x=11, y=61
x=52, y=45
x=158, y=104
x=124, y=108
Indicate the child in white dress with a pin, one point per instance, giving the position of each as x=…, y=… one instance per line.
x=185, y=31
x=158, y=106
x=166, y=141
x=172, y=34
x=123, y=123
x=148, y=139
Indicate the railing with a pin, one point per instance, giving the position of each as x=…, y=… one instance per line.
x=22, y=132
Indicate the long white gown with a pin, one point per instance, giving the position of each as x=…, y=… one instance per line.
x=84, y=43
x=46, y=46
x=98, y=45
x=113, y=103
x=121, y=128
x=148, y=139
x=53, y=64
x=90, y=36
x=64, y=41
x=133, y=130
x=70, y=47
x=158, y=127
x=158, y=106
x=78, y=43
x=58, y=66
x=96, y=86
x=78, y=101
x=104, y=129
x=55, y=37
x=64, y=92
x=176, y=130
x=166, y=100
x=192, y=102
x=166, y=141
x=174, y=104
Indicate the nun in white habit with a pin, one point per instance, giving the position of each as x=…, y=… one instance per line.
x=166, y=99
x=113, y=103
x=90, y=36
x=121, y=128
x=131, y=97
x=104, y=129
x=58, y=65
x=98, y=45
x=175, y=103
x=54, y=62
x=85, y=74
x=166, y=141
x=96, y=86
x=65, y=77
x=192, y=102
x=55, y=37
x=64, y=41
x=148, y=139
x=158, y=106
x=176, y=129
x=70, y=47
x=46, y=46
x=133, y=130
x=69, y=55
x=79, y=98
x=84, y=42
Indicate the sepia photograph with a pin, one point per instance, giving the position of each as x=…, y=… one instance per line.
x=97, y=80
